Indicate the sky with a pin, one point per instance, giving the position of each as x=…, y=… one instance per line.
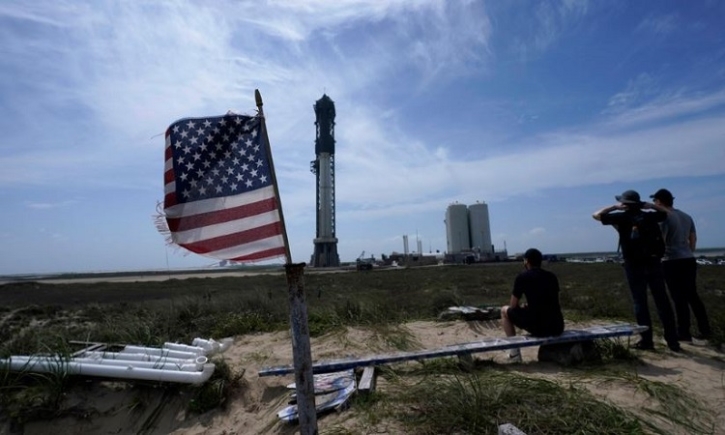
x=544, y=110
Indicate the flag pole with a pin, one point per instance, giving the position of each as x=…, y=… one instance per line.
x=304, y=380
x=258, y=99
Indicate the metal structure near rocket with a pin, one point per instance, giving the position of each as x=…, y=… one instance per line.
x=325, y=253
x=467, y=227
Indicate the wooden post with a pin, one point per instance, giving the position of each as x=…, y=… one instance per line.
x=304, y=381
x=367, y=380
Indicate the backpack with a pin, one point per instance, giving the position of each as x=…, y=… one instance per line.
x=646, y=237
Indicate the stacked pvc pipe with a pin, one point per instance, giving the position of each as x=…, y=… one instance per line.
x=173, y=362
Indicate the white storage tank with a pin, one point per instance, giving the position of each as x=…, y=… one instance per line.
x=480, y=228
x=457, y=232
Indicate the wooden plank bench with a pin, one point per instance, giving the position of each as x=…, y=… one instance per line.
x=484, y=345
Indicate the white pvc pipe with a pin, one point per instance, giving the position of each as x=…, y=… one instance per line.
x=187, y=366
x=213, y=346
x=185, y=348
x=158, y=352
x=54, y=365
x=226, y=343
x=133, y=357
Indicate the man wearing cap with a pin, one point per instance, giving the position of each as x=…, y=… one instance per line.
x=643, y=267
x=680, y=268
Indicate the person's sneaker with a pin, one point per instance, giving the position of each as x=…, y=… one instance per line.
x=642, y=345
x=515, y=358
x=674, y=347
x=701, y=339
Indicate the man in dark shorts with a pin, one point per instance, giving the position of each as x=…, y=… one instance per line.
x=541, y=315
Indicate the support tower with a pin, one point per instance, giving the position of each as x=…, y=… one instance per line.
x=323, y=167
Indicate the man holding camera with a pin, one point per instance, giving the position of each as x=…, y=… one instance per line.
x=642, y=247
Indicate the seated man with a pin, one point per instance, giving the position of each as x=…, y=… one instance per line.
x=541, y=315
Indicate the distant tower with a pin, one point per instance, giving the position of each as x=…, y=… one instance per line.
x=480, y=228
x=457, y=231
x=468, y=228
x=323, y=167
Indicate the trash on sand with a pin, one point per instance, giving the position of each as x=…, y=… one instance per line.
x=470, y=313
x=332, y=391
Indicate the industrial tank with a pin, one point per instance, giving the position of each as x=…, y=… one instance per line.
x=457, y=231
x=480, y=228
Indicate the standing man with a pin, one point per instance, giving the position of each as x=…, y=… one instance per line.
x=680, y=267
x=541, y=315
x=642, y=248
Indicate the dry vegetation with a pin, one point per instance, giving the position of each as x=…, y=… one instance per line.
x=433, y=397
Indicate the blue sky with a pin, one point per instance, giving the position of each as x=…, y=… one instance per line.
x=544, y=110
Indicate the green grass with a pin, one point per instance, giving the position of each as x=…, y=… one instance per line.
x=217, y=390
x=480, y=402
x=668, y=403
x=43, y=318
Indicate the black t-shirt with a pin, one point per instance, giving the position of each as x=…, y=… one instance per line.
x=541, y=288
x=623, y=222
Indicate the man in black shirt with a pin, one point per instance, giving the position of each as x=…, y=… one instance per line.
x=642, y=263
x=541, y=315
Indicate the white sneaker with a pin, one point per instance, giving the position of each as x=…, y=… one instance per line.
x=515, y=357
x=700, y=341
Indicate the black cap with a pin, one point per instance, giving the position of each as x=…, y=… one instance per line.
x=534, y=257
x=663, y=195
x=628, y=197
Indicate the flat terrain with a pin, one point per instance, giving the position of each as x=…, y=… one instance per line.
x=351, y=314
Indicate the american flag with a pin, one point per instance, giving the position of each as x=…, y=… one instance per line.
x=220, y=198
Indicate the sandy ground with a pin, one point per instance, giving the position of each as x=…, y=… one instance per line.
x=111, y=408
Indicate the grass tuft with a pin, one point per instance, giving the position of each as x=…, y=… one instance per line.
x=480, y=402
x=216, y=392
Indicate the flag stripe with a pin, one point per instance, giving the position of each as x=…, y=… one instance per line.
x=240, y=238
x=170, y=187
x=226, y=215
x=221, y=229
x=262, y=255
x=168, y=176
x=268, y=245
x=204, y=205
x=170, y=198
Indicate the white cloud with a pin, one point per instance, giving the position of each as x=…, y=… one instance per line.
x=641, y=87
x=549, y=22
x=659, y=24
x=538, y=231
x=130, y=69
x=92, y=85
x=145, y=65
x=395, y=174
x=49, y=205
x=663, y=107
